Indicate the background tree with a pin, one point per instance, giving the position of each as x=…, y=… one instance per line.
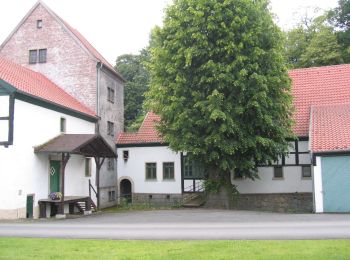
x=340, y=19
x=313, y=43
x=219, y=83
x=133, y=69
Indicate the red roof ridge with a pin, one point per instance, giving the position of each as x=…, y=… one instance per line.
x=318, y=68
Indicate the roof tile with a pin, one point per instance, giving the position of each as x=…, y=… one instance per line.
x=35, y=84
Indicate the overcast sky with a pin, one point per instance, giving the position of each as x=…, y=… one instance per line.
x=117, y=27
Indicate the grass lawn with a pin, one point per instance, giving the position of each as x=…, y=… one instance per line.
x=35, y=248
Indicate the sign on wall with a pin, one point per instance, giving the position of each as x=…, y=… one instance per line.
x=6, y=120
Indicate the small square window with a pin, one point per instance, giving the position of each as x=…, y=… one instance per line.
x=110, y=128
x=111, y=195
x=306, y=171
x=151, y=171
x=110, y=94
x=168, y=171
x=33, y=56
x=125, y=155
x=278, y=172
x=87, y=167
x=39, y=24
x=110, y=164
x=63, y=125
x=42, y=55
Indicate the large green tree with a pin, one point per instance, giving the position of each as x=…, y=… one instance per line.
x=134, y=70
x=220, y=85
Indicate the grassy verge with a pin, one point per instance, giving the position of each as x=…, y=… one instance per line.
x=26, y=248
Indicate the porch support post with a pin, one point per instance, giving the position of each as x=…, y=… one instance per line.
x=64, y=159
x=99, y=161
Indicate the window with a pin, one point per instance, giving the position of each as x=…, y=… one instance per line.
x=168, y=171
x=188, y=171
x=306, y=171
x=33, y=56
x=39, y=24
x=42, y=55
x=125, y=155
x=87, y=167
x=110, y=165
x=110, y=128
x=110, y=95
x=151, y=171
x=111, y=195
x=278, y=172
x=63, y=125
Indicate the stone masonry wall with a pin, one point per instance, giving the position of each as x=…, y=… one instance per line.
x=157, y=199
x=277, y=202
x=68, y=64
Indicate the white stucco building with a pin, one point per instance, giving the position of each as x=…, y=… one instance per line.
x=33, y=112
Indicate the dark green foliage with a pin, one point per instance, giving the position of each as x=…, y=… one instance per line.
x=133, y=69
x=219, y=83
x=340, y=19
x=313, y=44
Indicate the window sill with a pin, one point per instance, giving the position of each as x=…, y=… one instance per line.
x=306, y=178
x=169, y=180
x=278, y=179
x=155, y=180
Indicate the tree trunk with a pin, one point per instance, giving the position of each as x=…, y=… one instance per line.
x=221, y=198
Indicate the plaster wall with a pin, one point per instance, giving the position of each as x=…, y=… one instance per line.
x=318, y=187
x=23, y=172
x=135, y=169
x=292, y=181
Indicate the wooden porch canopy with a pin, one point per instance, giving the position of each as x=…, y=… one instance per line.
x=88, y=145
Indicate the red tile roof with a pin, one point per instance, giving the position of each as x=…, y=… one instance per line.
x=146, y=134
x=318, y=86
x=329, y=85
x=35, y=84
x=330, y=128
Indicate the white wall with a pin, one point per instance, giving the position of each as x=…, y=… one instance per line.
x=4, y=112
x=134, y=169
x=23, y=172
x=318, y=188
x=291, y=182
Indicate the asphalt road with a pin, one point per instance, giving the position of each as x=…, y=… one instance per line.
x=186, y=224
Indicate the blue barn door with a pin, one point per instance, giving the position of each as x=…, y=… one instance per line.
x=336, y=183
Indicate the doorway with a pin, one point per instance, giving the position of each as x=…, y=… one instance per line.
x=55, y=167
x=126, y=190
x=29, y=208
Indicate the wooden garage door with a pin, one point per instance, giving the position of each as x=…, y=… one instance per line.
x=336, y=183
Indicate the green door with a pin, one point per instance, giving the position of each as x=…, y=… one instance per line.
x=30, y=200
x=55, y=167
x=336, y=183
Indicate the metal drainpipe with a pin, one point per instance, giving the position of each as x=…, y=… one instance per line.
x=100, y=65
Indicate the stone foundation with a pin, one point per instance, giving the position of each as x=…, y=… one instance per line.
x=157, y=199
x=277, y=202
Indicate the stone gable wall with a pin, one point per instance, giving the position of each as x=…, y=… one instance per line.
x=68, y=64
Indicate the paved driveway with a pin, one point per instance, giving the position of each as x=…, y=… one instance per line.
x=187, y=224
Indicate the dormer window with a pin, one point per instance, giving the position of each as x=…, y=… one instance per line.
x=39, y=24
